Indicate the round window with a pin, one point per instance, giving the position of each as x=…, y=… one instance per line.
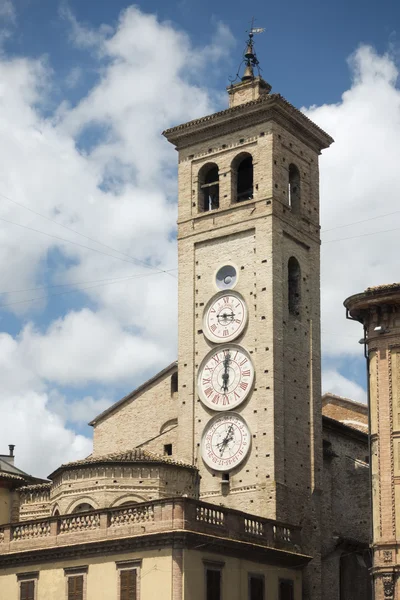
x=226, y=277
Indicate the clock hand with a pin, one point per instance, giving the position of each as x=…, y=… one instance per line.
x=225, y=374
x=229, y=436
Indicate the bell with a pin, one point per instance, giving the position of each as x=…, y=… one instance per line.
x=249, y=54
x=248, y=73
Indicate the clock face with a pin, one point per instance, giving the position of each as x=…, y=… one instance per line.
x=225, y=377
x=225, y=442
x=225, y=317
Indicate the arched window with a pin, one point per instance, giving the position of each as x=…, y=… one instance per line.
x=294, y=285
x=84, y=507
x=242, y=177
x=294, y=188
x=174, y=383
x=209, y=187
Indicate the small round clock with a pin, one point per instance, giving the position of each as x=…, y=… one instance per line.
x=225, y=317
x=225, y=377
x=225, y=442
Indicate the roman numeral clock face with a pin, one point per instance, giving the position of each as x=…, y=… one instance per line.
x=225, y=317
x=225, y=377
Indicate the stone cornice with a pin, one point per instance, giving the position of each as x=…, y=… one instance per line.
x=187, y=539
x=272, y=107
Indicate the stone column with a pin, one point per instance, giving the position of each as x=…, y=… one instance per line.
x=378, y=309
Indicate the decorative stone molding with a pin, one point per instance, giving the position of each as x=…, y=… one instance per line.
x=388, y=586
x=387, y=556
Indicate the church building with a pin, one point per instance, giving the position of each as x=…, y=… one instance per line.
x=227, y=476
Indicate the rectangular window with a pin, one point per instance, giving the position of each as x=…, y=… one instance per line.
x=27, y=590
x=256, y=587
x=129, y=579
x=168, y=449
x=75, y=587
x=213, y=584
x=286, y=589
x=76, y=582
x=27, y=585
x=128, y=584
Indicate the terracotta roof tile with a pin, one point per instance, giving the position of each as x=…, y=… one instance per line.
x=36, y=487
x=130, y=456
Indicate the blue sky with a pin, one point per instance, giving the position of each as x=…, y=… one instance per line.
x=88, y=186
x=303, y=52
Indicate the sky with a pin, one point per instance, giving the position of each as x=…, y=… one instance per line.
x=88, y=187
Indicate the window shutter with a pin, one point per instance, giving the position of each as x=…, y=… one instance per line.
x=128, y=582
x=75, y=587
x=27, y=590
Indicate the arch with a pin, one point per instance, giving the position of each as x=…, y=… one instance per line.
x=208, y=187
x=168, y=425
x=83, y=507
x=242, y=177
x=86, y=500
x=294, y=286
x=294, y=188
x=174, y=383
x=55, y=511
x=127, y=499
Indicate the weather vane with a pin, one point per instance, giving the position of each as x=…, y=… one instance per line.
x=249, y=56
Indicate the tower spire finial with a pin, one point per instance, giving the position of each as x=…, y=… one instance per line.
x=250, y=57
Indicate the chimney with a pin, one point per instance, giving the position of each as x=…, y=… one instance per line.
x=11, y=449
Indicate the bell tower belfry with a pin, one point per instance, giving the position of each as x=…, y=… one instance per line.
x=249, y=308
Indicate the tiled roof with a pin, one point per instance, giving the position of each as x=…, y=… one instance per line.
x=130, y=456
x=11, y=476
x=383, y=288
x=264, y=99
x=36, y=487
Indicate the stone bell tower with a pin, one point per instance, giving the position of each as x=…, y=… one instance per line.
x=378, y=309
x=249, y=308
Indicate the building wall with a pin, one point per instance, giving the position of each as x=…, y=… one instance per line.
x=345, y=514
x=235, y=573
x=102, y=577
x=5, y=504
x=149, y=419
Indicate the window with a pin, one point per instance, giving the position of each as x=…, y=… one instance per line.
x=286, y=590
x=27, y=585
x=174, y=383
x=76, y=582
x=242, y=177
x=83, y=507
x=213, y=584
x=129, y=580
x=294, y=188
x=294, y=292
x=168, y=449
x=209, y=187
x=27, y=590
x=128, y=584
x=75, y=587
x=256, y=587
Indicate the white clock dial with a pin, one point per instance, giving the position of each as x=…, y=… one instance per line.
x=225, y=442
x=225, y=317
x=225, y=377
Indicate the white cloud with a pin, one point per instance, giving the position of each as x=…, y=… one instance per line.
x=100, y=167
x=335, y=383
x=359, y=181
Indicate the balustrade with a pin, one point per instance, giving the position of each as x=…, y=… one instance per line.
x=79, y=522
x=172, y=514
x=129, y=516
x=31, y=530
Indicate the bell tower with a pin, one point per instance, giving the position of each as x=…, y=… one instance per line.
x=249, y=301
